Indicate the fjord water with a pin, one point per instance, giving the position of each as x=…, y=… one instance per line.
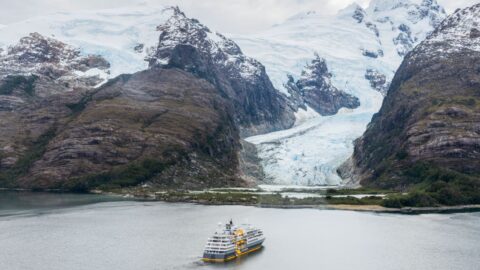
x=83, y=233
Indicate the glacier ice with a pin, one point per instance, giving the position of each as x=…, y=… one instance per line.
x=311, y=151
x=111, y=33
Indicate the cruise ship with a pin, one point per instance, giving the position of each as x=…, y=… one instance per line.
x=231, y=241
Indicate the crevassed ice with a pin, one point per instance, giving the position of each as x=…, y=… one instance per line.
x=311, y=152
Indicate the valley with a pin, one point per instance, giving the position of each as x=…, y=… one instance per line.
x=139, y=96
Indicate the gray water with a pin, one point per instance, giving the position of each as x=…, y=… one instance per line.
x=76, y=232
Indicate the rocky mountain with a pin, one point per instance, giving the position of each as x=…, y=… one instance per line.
x=134, y=124
x=315, y=90
x=427, y=132
x=36, y=54
x=38, y=77
x=174, y=119
x=164, y=126
x=135, y=38
x=91, y=96
x=362, y=48
x=186, y=44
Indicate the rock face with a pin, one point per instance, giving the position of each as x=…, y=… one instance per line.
x=428, y=128
x=39, y=76
x=52, y=59
x=186, y=44
x=176, y=122
x=162, y=126
x=377, y=80
x=314, y=89
x=165, y=127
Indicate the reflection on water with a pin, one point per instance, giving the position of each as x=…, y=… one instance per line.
x=235, y=264
x=22, y=202
x=154, y=235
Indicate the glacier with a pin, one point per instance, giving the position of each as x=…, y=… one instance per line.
x=311, y=151
x=111, y=33
x=352, y=41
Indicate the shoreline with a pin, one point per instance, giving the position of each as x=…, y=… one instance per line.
x=341, y=207
x=371, y=208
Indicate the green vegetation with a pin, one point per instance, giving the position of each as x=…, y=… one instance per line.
x=216, y=197
x=401, y=155
x=435, y=186
x=35, y=151
x=253, y=198
x=414, y=199
x=249, y=198
x=358, y=191
x=125, y=176
x=26, y=83
x=80, y=106
x=458, y=100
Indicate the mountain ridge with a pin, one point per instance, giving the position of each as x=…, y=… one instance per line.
x=74, y=123
x=426, y=134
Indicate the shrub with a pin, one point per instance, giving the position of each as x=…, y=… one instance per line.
x=414, y=199
x=419, y=199
x=449, y=195
x=131, y=175
x=392, y=202
x=401, y=155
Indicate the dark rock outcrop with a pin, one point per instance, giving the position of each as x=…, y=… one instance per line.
x=315, y=90
x=359, y=13
x=372, y=54
x=377, y=80
x=428, y=128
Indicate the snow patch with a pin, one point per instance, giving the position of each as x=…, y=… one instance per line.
x=301, y=116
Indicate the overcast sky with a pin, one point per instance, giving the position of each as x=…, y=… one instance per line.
x=228, y=16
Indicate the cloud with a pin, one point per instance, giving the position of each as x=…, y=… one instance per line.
x=240, y=16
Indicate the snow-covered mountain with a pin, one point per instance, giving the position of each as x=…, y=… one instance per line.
x=39, y=55
x=348, y=59
x=189, y=45
x=137, y=38
x=115, y=34
x=187, y=98
x=127, y=37
x=460, y=32
x=363, y=48
x=314, y=89
x=428, y=125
